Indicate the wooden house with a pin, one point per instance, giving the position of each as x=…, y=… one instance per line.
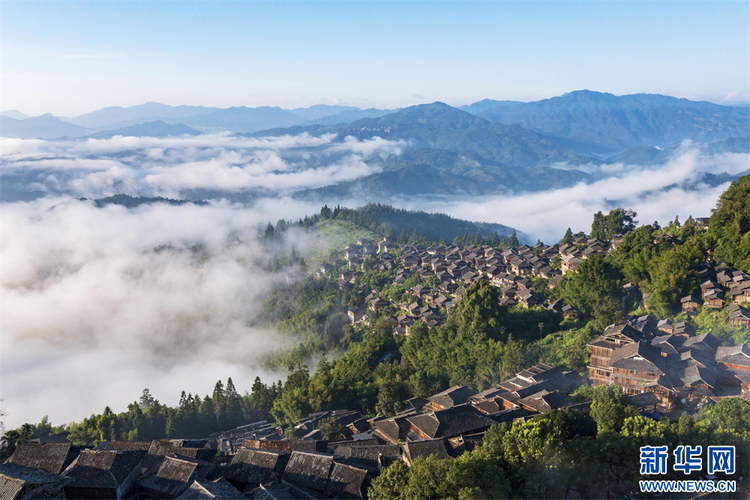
x=690, y=303
x=356, y=315
x=636, y=365
x=739, y=316
x=602, y=348
x=714, y=299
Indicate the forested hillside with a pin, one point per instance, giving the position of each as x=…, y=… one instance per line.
x=483, y=340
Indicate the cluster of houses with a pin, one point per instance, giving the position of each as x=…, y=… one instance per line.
x=512, y=270
x=449, y=270
x=670, y=361
x=720, y=286
x=259, y=461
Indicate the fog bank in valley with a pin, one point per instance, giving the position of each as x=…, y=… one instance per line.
x=656, y=193
x=99, y=303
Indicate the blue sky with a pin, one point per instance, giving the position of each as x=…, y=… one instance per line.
x=73, y=57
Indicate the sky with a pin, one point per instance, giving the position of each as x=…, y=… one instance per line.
x=69, y=58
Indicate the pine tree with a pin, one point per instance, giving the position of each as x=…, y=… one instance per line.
x=220, y=407
x=478, y=240
x=568, y=238
x=458, y=240
x=495, y=241
x=233, y=405
x=599, y=227
x=147, y=400
x=269, y=234
x=513, y=241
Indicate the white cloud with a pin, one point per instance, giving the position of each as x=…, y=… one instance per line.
x=737, y=96
x=655, y=193
x=166, y=167
x=92, y=314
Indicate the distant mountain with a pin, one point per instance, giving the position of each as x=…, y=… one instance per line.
x=242, y=119
x=731, y=145
x=39, y=127
x=655, y=156
x=486, y=104
x=349, y=116
x=422, y=179
x=320, y=110
x=15, y=114
x=620, y=122
x=151, y=129
x=116, y=116
x=136, y=201
x=439, y=126
x=237, y=119
x=642, y=155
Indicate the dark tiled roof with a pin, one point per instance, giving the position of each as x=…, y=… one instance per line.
x=367, y=456
x=694, y=374
x=393, y=428
x=283, y=445
x=10, y=487
x=14, y=477
x=414, y=449
x=426, y=422
x=705, y=342
x=220, y=488
x=461, y=419
x=737, y=355
x=256, y=466
x=103, y=468
x=128, y=445
x=173, y=477
x=456, y=395
x=669, y=344
x=638, y=357
x=488, y=406
x=194, y=448
x=272, y=491
x=309, y=470
x=369, y=441
x=346, y=481
x=52, y=457
x=545, y=402
x=617, y=331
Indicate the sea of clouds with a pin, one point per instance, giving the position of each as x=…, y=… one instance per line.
x=99, y=303
x=657, y=193
x=142, y=166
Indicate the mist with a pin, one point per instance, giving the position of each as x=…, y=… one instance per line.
x=657, y=193
x=172, y=167
x=99, y=303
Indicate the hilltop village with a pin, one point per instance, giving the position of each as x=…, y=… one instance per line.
x=642, y=354
x=664, y=370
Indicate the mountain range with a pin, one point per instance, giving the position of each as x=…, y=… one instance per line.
x=596, y=122
x=614, y=123
x=487, y=147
